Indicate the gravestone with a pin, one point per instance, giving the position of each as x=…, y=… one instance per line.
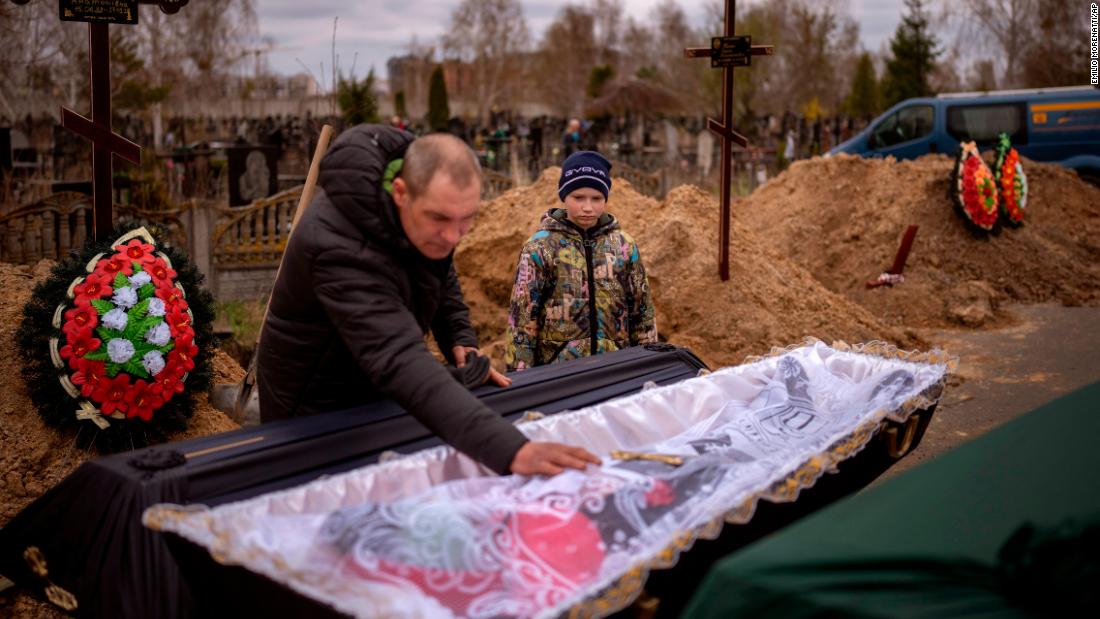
x=705, y=152
x=5, y=150
x=253, y=173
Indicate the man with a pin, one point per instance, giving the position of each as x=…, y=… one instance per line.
x=366, y=274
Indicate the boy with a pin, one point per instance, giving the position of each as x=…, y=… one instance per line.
x=579, y=248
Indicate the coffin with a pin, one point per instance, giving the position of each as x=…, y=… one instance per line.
x=432, y=534
x=85, y=534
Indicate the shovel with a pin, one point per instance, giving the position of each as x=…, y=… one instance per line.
x=248, y=384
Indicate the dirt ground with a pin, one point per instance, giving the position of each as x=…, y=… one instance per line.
x=842, y=219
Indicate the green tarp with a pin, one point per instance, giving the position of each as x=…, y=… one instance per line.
x=931, y=543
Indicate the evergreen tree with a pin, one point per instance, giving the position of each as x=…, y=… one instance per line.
x=914, y=51
x=863, y=100
x=357, y=100
x=399, y=104
x=439, y=111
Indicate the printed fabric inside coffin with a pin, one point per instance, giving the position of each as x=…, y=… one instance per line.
x=430, y=535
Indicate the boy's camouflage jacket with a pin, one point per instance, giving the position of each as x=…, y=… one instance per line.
x=553, y=317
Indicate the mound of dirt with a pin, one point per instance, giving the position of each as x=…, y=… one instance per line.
x=35, y=456
x=842, y=219
x=768, y=301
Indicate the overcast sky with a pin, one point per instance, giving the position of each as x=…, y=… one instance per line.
x=377, y=29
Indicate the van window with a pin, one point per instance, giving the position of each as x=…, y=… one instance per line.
x=906, y=124
x=983, y=123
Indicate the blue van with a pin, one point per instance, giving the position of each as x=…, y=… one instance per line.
x=1059, y=125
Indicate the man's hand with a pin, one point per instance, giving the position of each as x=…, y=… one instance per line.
x=494, y=377
x=550, y=459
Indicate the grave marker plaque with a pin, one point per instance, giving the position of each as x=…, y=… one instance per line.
x=99, y=11
x=730, y=52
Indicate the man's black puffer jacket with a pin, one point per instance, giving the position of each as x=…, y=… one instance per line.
x=353, y=302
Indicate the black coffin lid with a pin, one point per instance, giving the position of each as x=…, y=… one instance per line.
x=88, y=527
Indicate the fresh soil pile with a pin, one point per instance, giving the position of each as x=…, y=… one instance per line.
x=35, y=456
x=842, y=219
x=768, y=301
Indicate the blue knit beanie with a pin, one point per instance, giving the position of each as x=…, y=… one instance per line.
x=585, y=168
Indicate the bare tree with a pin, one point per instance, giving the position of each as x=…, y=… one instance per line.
x=983, y=75
x=1009, y=23
x=490, y=36
x=45, y=59
x=566, y=56
x=608, y=18
x=638, y=47
x=218, y=30
x=1057, y=54
x=672, y=34
x=946, y=75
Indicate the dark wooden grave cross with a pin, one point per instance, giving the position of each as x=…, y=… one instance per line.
x=105, y=142
x=727, y=52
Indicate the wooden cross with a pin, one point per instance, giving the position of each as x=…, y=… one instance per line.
x=105, y=142
x=727, y=52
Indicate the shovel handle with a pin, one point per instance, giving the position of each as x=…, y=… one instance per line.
x=248, y=383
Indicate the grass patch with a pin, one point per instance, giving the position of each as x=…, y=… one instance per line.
x=244, y=319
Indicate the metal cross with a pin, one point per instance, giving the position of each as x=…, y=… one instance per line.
x=727, y=52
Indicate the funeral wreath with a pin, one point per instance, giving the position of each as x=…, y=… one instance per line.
x=1012, y=182
x=975, y=190
x=118, y=337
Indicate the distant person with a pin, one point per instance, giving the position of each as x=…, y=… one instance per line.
x=789, y=151
x=578, y=248
x=571, y=139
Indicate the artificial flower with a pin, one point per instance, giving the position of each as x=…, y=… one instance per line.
x=120, y=350
x=116, y=319
x=110, y=393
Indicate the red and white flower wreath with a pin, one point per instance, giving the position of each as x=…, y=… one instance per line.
x=129, y=342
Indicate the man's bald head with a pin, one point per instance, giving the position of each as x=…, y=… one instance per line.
x=439, y=153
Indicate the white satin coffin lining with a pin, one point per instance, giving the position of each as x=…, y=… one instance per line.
x=435, y=534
